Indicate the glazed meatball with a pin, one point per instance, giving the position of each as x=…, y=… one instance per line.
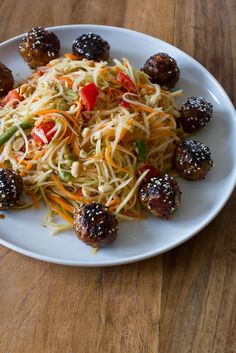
x=6, y=80
x=160, y=196
x=39, y=47
x=162, y=69
x=192, y=159
x=95, y=225
x=196, y=112
x=11, y=188
x=92, y=47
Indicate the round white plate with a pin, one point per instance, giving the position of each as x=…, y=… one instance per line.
x=201, y=201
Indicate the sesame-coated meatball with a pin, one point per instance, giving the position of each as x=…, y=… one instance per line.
x=11, y=188
x=38, y=47
x=160, y=196
x=92, y=47
x=196, y=112
x=6, y=80
x=162, y=69
x=192, y=159
x=95, y=225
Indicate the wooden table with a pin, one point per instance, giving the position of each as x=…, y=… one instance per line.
x=181, y=302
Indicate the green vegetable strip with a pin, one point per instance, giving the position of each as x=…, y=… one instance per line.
x=12, y=130
x=142, y=151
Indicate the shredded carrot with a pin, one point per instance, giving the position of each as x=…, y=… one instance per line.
x=68, y=218
x=30, y=165
x=61, y=202
x=67, y=79
x=122, y=135
x=117, y=69
x=116, y=90
x=18, y=158
x=112, y=91
x=130, y=136
x=103, y=70
x=163, y=115
x=58, y=111
x=79, y=111
x=164, y=91
x=114, y=81
x=71, y=56
x=65, y=127
x=95, y=157
x=114, y=203
x=66, y=192
x=34, y=199
x=171, y=122
x=111, y=162
x=76, y=146
x=146, y=86
x=3, y=165
x=142, y=107
x=161, y=133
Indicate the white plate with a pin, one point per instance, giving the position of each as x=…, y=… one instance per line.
x=201, y=201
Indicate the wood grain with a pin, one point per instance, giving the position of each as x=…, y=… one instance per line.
x=181, y=302
x=203, y=273
x=79, y=309
x=208, y=34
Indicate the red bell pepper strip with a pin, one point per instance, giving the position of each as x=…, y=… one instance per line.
x=12, y=95
x=43, y=133
x=153, y=172
x=43, y=70
x=89, y=94
x=124, y=104
x=126, y=82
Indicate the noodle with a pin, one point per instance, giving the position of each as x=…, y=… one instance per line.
x=92, y=155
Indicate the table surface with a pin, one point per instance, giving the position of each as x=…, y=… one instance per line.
x=183, y=301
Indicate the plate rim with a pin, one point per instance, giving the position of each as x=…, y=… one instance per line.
x=139, y=257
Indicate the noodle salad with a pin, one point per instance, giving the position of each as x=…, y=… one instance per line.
x=77, y=131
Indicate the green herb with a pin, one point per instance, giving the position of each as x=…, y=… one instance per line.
x=142, y=151
x=66, y=176
x=12, y=130
x=71, y=94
